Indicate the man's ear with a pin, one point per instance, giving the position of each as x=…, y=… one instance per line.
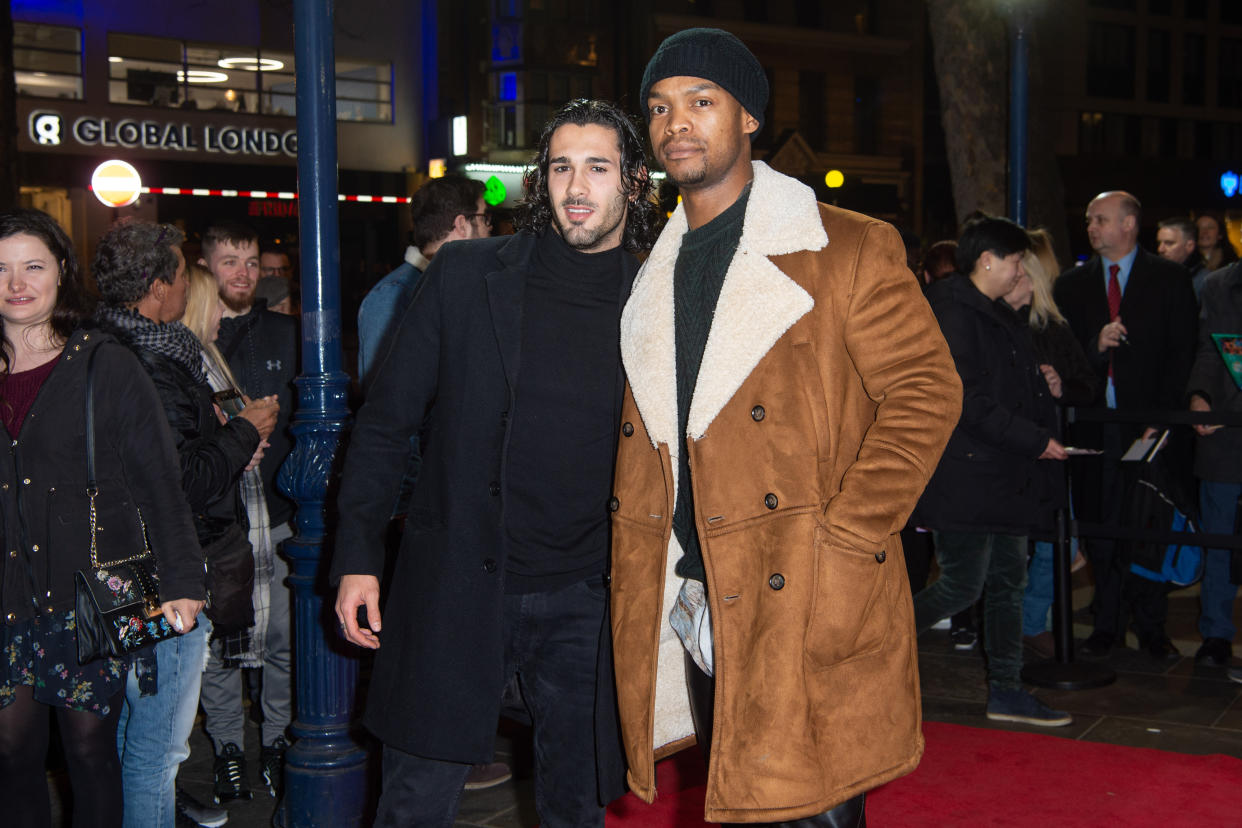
x=203, y=263
x=461, y=227
x=159, y=289
x=749, y=123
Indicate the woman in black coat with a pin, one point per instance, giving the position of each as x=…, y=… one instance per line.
x=985, y=495
x=1071, y=381
x=45, y=511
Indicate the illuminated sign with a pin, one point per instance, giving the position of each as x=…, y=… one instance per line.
x=116, y=183
x=48, y=129
x=1229, y=184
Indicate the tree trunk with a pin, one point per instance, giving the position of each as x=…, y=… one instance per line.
x=970, y=53
x=8, y=112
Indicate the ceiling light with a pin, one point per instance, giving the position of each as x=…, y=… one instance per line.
x=251, y=64
x=201, y=76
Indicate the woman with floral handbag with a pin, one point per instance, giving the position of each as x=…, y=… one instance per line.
x=51, y=515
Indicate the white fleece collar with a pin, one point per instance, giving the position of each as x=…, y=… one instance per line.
x=757, y=304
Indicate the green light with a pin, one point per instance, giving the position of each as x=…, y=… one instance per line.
x=494, y=191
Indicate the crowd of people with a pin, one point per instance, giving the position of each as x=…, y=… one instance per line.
x=637, y=482
x=189, y=377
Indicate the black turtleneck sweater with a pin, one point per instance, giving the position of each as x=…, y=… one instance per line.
x=564, y=432
x=697, y=279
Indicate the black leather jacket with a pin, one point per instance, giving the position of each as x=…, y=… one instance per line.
x=43, y=501
x=212, y=455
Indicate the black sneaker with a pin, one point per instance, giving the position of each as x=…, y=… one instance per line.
x=272, y=765
x=964, y=638
x=192, y=812
x=1215, y=652
x=230, y=771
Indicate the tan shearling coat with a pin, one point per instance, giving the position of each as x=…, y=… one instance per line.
x=825, y=397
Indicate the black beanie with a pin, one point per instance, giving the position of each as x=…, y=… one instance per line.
x=714, y=55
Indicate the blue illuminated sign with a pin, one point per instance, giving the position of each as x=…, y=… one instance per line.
x=1229, y=183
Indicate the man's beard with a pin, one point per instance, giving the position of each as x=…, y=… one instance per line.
x=584, y=238
x=238, y=304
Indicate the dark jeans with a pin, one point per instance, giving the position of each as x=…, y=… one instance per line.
x=551, y=645
x=975, y=563
x=702, y=689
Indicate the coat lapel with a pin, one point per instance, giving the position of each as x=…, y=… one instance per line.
x=757, y=304
x=505, y=288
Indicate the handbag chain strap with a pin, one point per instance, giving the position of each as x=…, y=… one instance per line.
x=92, y=488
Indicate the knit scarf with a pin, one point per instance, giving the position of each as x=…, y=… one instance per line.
x=169, y=339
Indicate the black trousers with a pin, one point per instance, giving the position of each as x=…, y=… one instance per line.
x=702, y=688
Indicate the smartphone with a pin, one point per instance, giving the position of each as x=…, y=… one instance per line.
x=230, y=402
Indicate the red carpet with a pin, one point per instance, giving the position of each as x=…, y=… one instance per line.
x=973, y=777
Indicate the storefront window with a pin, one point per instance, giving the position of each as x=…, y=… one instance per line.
x=47, y=60
x=163, y=72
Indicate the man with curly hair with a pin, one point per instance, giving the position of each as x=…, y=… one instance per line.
x=507, y=365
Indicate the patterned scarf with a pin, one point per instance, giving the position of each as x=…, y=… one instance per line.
x=168, y=339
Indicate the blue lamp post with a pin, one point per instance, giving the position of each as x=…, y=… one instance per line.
x=1019, y=106
x=325, y=775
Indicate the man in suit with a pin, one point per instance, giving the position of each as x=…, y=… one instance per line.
x=508, y=361
x=1134, y=314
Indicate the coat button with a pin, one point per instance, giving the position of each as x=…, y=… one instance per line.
x=25, y=481
x=494, y=488
x=881, y=556
x=628, y=429
x=613, y=504
x=770, y=500
x=777, y=581
x=607, y=579
x=34, y=548
x=12, y=553
x=489, y=565
x=757, y=413
x=11, y=617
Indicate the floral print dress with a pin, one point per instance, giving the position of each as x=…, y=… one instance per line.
x=42, y=653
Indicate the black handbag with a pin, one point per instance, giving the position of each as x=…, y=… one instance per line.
x=230, y=581
x=117, y=603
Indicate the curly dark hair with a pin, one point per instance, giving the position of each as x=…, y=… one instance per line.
x=642, y=222
x=131, y=256
x=72, y=302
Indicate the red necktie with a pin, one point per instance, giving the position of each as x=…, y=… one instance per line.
x=1114, y=303
x=1114, y=293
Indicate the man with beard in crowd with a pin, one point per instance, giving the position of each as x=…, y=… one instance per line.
x=507, y=361
x=261, y=347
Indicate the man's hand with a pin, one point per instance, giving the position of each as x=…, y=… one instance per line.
x=1111, y=335
x=1197, y=403
x=262, y=414
x=181, y=613
x=357, y=591
x=1052, y=378
x=1054, y=451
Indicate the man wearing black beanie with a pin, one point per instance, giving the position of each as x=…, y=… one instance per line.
x=789, y=394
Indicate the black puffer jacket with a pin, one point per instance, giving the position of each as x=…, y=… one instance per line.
x=989, y=478
x=43, y=497
x=262, y=351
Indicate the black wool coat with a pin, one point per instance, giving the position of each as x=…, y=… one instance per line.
x=43, y=497
x=989, y=478
x=1218, y=457
x=451, y=372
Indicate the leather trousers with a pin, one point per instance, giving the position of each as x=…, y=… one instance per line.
x=702, y=689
